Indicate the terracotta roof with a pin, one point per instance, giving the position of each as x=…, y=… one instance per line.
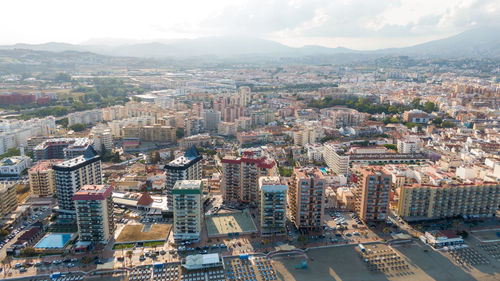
x=145, y=200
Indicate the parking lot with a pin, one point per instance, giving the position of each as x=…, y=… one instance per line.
x=38, y=215
x=346, y=227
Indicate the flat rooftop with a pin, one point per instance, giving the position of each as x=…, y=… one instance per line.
x=222, y=224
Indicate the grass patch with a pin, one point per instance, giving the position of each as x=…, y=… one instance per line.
x=154, y=243
x=123, y=246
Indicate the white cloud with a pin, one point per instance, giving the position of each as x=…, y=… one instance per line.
x=353, y=23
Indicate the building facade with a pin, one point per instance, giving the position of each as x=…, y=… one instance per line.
x=61, y=148
x=273, y=191
x=12, y=167
x=373, y=193
x=187, y=167
x=211, y=119
x=187, y=210
x=306, y=199
x=421, y=202
x=240, y=177
x=94, y=213
x=72, y=174
x=336, y=160
x=9, y=199
x=42, y=179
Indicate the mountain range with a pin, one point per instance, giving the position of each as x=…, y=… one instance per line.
x=478, y=43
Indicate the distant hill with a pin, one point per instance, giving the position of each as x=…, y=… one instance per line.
x=209, y=46
x=477, y=43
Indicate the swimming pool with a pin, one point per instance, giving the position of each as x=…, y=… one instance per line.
x=54, y=241
x=323, y=170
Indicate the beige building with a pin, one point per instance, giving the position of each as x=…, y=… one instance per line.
x=240, y=176
x=448, y=200
x=41, y=178
x=373, y=193
x=306, y=199
x=152, y=133
x=227, y=129
x=336, y=159
x=138, y=109
x=8, y=195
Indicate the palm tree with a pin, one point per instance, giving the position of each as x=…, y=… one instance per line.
x=129, y=255
x=6, y=261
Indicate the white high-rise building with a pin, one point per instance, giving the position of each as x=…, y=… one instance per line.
x=407, y=146
x=273, y=191
x=187, y=167
x=101, y=135
x=336, y=159
x=72, y=174
x=187, y=210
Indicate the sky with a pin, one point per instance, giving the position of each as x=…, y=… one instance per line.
x=357, y=24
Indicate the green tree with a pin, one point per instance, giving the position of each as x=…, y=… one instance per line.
x=63, y=122
x=448, y=124
x=437, y=121
x=116, y=157
x=11, y=152
x=179, y=133
x=391, y=146
x=79, y=127
x=410, y=125
x=429, y=107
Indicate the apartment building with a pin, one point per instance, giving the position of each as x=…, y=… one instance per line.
x=138, y=109
x=72, y=174
x=416, y=116
x=186, y=167
x=42, y=178
x=306, y=199
x=407, y=146
x=373, y=193
x=211, y=119
x=187, y=210
x=227, y=129
x=473, y=199
x=343, y=117
x=193, y=125
x=336, y=159
x=240, y=177
x=94, y=213
x=61, y=148
x=116, y=112
x=101, y=136
x=85, y=117
x=150, y=133
x=273, y=192
x=9, y=199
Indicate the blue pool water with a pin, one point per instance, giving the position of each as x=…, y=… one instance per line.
x=323, y=170
x=54, y=241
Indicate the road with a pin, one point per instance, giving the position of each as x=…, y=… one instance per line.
x=14, y=239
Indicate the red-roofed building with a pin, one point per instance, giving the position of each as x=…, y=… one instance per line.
x=240, y=179
x=145, y=200
x=94, y=212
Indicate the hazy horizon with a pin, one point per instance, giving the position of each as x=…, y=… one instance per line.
x=360, y=25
